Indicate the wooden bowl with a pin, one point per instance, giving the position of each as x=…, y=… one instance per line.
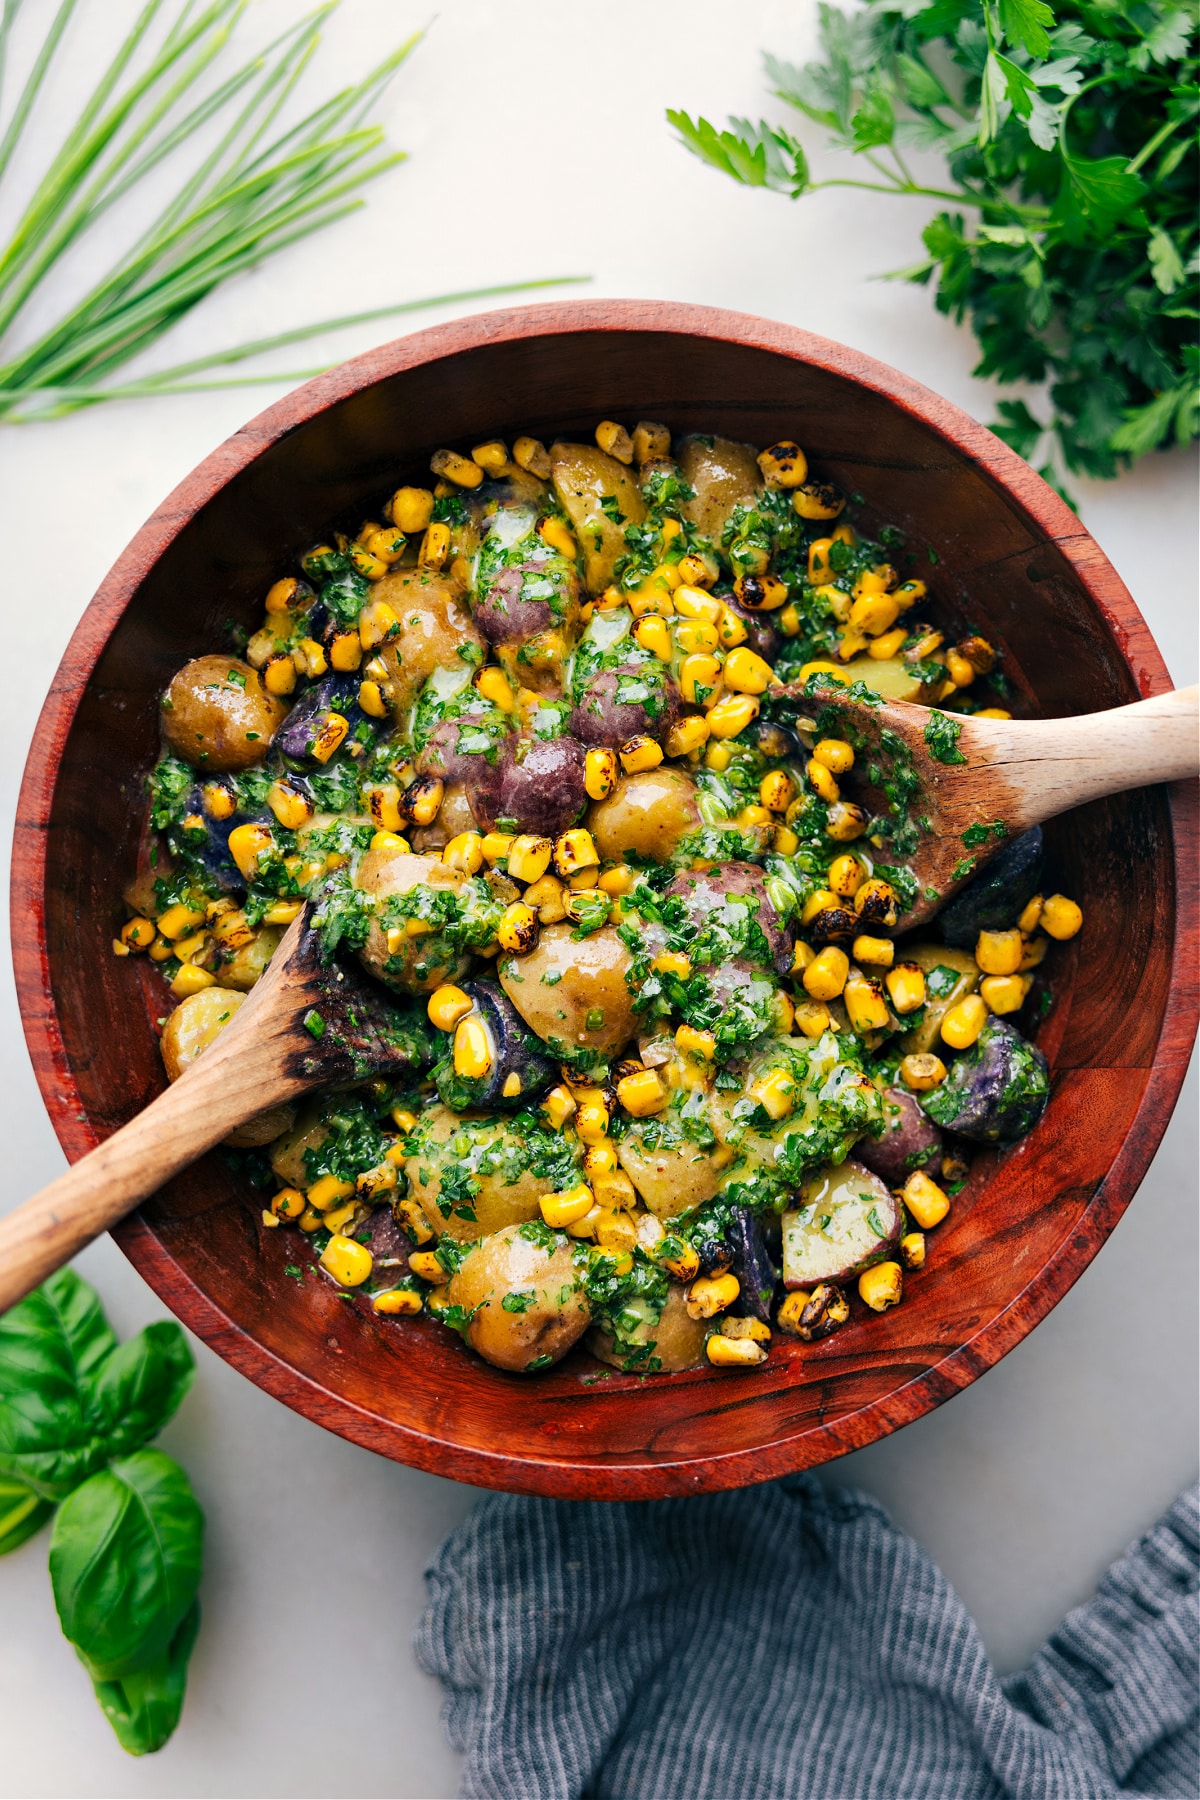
x=997, y=545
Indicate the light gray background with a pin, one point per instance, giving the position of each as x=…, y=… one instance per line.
x=539, y=148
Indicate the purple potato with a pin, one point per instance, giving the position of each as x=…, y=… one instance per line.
x=706, y=894
x=541, y=788
x=752, y=1265
x=995, y=1092
x=909, y=1141
x=388, y=1243
x=635, y=700
x=507, y=614
x=997, y=897
x=334, y=694
x=518, y=1055
x=763, y=636
x=479, y=769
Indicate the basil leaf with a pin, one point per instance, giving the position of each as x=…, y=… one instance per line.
x=125, y=1557
x=51, y=1347
x=141, y=1385
x=143, y=1708
x=22, y=1512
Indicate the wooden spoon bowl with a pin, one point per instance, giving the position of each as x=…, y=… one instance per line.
x=1003, y=556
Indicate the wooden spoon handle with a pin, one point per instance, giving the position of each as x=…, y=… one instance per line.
x=1052, y=765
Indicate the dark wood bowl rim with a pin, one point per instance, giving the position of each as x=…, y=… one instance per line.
x=714, y=1471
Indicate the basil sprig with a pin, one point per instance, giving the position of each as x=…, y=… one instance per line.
x=77, y=1411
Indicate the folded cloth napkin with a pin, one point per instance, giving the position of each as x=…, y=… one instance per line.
x=788, y=1643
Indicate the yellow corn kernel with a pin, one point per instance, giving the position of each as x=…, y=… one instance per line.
x=876, y=951
x=592, y=1119
x=600, y=773
x=425, y=1264
x=327, y=1190
x=754, y=815
x=565, y=1208
x=747, y=673
x=881, y=1286
x=785, y=842
x=654, y=634
x=529, y=858
x=783, y=1012
x=825, y=977
x=512, y=1086
x=696, y=572
x=614, y=440
x=517, y=931
x=345, y=651
x=288, y=1203
x=691, y=1042
x=279, y=675
x=496, y=845
x=388, y=840
x=161, y=949
x=846, y=822
x=231, y=928
x=739, y=1330
x=472, y=1051
x=178, y=919
x=922, y=1071
x=696, y=637
x=959, y=669
x=386, y=542
x=688, y=736
x=699, y=677
x=733, y=1353
x=732, y=715
x=788, y=1314
x=642, y=1094
x=548, y=898
x=820, y=901
x=790, y=620
x=309, y=658
x=877, y=903
x=376, y=624
x=372, y=699
x=464, y=852
x=873, y=614
x=964, y=1022
x=993, y=712
x=817, y=500
x=137, y=934
x=846, y=875
x=411, y=509
x=530, y=454
x=190, y=947
x=925, y=1200
x=586, y=1227
x=349, y=1263
x=673, y=962
x=410, y=1214
x=889, y=645
x=1030, y=919
x=614, y=1191
x=458, y=469
x=865, y=1002
x=286, y=595
x=291, y=807
x=681, y=1261
x=447, y=1005
x=495, y=686
x=828, y=670
x=338, y=1217
x=851, y=643
x=812, y=1018
x=491, y=457
x=575, y=850
x=435, y=545
x=1004, y=993
x=999, y=952
x=906, y=986
x=384, y=806
x=911, y=1250
x=651, y=443
x=784, y=465
x=776, y=791
x=310, y=1221
x=328, y=739
x=1061, y=917
x=190, y=980
x=640, y=753
x=600, y=1159
x=617, y=880
x=775, y=1092
x=760, y=593
x=718, y=756
x=1035, y=950
x=822, y=782
x=820, y=569
x=711, y=1294
x=558, y=1106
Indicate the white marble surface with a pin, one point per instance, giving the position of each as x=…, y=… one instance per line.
x=539, y=148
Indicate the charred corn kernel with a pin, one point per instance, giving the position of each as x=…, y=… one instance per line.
x=760, y=593
x=608, y=601
x=742, y=1329
x=846, y=875
x=592, y=1120
x=1004, y=993
x=349, y=1263
x=575, y=850
x=865, y=1002
x=365, y=563
x=695, y=571
x=905, y=984
x=999, y=952
x=137, y=934
x=959, y=669
x=291, y=806
x=640, y=753
x=232, y=929
x=422, y=799
x=688, y=736
x=790, y=620
x=447, y=1005
x=288, y=1203
x=812, y=1018
x=825, y=976
x=691, y=1042
x=329, y=738
x=784, y=465
x=909, y=592
x=699, y=677
x=327, y=1190
x=279, y=675
x=747, y=673
x=1035, y=950
x=790, y=1310
x=733, y=1353
x=558, y=1106
x=925, y=1200
x=717, y=756
x=530, y=454
x=776, y=791
x=219, y=803
x=754, y=815
x=178, y=919
x=413, y=1219
x=548, y=898
x=642, y=1094
x=911, y=1250
x=680, y=1260
x=376, y=624
x=822, y=782
x=345, y=652
x=472, y=1050
x=889, y=645
x=964, y=1022
x=283, y=912
x=846, y=822
x=693, y=603
x=529, y=858
x=979, y=653
x=288, y=595
x=876, y=951
x=600, y=773
x=518, y=928
x=458, y=469
x=877, y=903
x=711, y=1294
x=820, y=569
x=775, y=1092
x=617, y=880
x=411, y=509
x=785, y=842
x=874, y=613
x=435, y=545
x=190, y=980
x=372, y=700
x=817, y=500
x=424, y=1263
x=696, y=637
x=1061, y=917
x=385, y=805
x=732, y=714
x=564, y=1208
x=464, y=852
x=491, y=457
x=614, y=440
x=651, y=442
x=496, y=845
x=881, y=1286
x=372, y=1184
x=654, y=634
x=1031, y=917
x=614, y=1190
x=388, y=840
x=309, y=658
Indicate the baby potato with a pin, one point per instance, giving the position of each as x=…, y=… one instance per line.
x=573, y=993
x=676, y=1174
x=724, y=474
x=584, y=477
x=647, y=814
x=287, y=1153
x=385, y=872
x=217, y=715
x=547, y=1311
x=194, y=1025
x=445, y=1140
x=435, y=621
x=248, y=963
x=677, y=1341
x=263, y=1129
x=454, y=817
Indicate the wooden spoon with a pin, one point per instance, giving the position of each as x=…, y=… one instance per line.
x=304, y=1025
x=1011, y=773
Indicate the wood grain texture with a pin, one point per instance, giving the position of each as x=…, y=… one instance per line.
x=1012, y=562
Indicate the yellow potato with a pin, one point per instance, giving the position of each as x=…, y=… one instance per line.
x=554, y=1313
x=584, y=477
x=218, y=716
x=587, y=1002
x=892, y=679
x=724, y=474
x=647, y=814
x=678, y=1341
x=194, y=1025
x=434, y=621
x=248, y=963
x=384, y=872
x=498, y=1202
x=675, y=1174
x=287, y=1153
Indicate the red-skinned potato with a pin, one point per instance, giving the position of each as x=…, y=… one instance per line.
x=217, y=714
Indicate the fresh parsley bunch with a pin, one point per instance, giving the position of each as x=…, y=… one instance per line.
x=77, y=1411
x=1070, y=135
